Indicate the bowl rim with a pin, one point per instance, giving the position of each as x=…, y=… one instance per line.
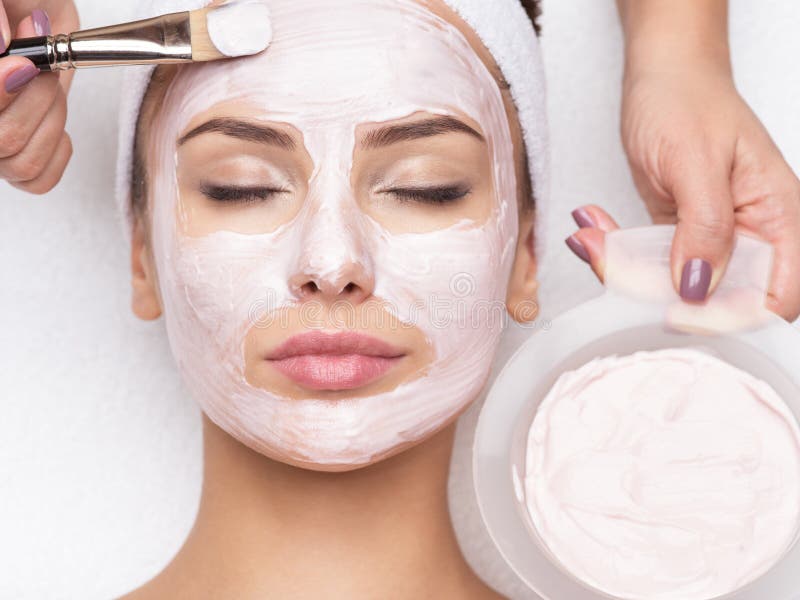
x=509, y=397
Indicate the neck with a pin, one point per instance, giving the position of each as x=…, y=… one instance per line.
x=264, y=525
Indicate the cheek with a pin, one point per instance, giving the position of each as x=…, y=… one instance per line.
x=450, y=283
x=226, y=282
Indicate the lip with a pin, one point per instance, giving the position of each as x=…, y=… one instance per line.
x=334, y=361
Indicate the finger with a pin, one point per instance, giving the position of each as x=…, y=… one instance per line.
x=783, y=297
x=705, y=231
x=52, y=174
x=15, y=73
x=591, y=215
x=588, y=243
x=5, y=29
x=29, y=163
x=23, y=116
x=25, y=28
x=37, y=24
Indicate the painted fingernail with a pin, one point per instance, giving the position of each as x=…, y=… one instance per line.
x=583, y=218
x=578, y=248
x=19, y=78
x=41, y=22
x=695, y=280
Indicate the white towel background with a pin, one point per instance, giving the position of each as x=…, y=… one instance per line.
x=99, y=443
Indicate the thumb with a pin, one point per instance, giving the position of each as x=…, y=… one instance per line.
x=704, y=235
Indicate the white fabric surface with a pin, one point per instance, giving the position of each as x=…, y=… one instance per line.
x=99, y=442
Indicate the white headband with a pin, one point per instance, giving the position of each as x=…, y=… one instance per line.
x=502, y=25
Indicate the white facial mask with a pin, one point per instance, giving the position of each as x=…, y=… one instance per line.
x=330, y=68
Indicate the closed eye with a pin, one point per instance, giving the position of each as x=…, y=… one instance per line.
x=430, y=195
x=239, y=195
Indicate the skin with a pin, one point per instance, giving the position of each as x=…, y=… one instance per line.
x=34, y=148
x=266, y=527
x=592, y=239
x=699, y=156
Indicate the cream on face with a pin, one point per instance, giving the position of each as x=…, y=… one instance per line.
x=664, y=475
x=330, y=68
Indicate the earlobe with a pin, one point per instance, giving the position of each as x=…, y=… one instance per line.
x=522, y=299
x=144, y=300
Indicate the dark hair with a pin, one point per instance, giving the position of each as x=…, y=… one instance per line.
x=161, y=76
x=534, y=10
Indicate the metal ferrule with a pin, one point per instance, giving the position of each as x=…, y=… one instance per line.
x=166, y=39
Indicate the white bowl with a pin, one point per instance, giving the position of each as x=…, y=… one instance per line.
x=605, y=326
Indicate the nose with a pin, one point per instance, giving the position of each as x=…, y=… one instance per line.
x=334, y=262
x=350, y=282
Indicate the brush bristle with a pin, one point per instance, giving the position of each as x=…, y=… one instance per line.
x=203, y=49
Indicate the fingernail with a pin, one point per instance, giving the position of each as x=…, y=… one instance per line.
x=41, y=22
x=19, y=78
x=578, y=248
x=583, y=218
x=695, y=280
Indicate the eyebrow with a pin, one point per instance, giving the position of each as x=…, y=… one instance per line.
x=393, y=134
x=243, y=130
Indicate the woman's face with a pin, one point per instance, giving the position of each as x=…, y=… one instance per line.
x=334, y=226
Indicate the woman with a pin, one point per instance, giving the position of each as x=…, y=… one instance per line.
x=692, y=142
x=333, y=231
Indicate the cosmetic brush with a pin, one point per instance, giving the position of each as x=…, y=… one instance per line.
x=237, y=28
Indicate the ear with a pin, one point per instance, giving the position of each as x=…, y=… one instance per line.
x=145, y=301
x=522, y=299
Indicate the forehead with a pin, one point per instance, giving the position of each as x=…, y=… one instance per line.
x=349, y=61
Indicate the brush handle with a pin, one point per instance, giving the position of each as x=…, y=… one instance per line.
x=165, y=39
x=37, y=49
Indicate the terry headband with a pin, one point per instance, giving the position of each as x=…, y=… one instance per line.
x=502, y=25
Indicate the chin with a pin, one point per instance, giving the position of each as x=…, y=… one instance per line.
x=343, y=464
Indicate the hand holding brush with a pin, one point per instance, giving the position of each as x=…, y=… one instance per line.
x=34, y=149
